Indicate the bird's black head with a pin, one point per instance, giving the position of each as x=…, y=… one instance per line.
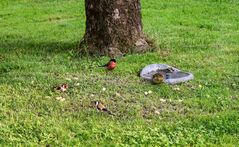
x=113, y=60
x=94, y=102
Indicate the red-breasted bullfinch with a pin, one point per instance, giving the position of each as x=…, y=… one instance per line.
x=110, y=65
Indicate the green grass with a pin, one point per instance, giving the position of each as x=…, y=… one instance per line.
x=37, y=39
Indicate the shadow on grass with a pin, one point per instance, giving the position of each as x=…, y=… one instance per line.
x=14, y=44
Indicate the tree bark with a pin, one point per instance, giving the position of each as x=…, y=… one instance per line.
x=113, y=27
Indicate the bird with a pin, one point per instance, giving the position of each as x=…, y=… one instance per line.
x=101, y=107
x=63, y=87
x=158, y=78
x=110, y=65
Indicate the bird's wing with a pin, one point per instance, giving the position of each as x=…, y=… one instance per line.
x=105, y=109
x=104, y=65
x=108, y=111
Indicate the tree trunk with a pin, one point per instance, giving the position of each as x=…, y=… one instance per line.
x=113, y=27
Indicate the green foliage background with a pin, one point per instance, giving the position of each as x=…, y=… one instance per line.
x=37, y=38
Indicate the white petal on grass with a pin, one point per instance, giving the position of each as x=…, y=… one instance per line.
x=117, y=94
x=59, y=98
x=176, y=88
x=157, y=112
x=75, y=78
x=63, y=99
x=180, y=101
x=48, y=97
x=68, y=79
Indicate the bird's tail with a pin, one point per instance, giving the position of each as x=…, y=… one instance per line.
x=109, y=112
x=102, y=65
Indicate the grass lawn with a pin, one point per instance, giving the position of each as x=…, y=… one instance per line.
x=37, y=39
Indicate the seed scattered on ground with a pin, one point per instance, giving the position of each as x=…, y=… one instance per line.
x=180, y=101
x=157, y=112
x=176, y=88
x=60, y=98
x=117, y=94
x=68, y=79
x=200, y=86
x=76, y=78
